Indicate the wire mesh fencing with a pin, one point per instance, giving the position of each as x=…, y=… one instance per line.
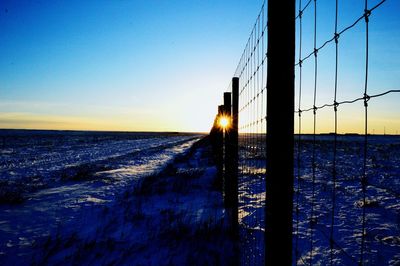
x=347, y=178
x=343, y=194
x=252, y=73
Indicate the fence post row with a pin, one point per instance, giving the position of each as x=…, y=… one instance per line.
x=280, y=132
x=224, y=141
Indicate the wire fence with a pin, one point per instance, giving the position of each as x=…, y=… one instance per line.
x=252, y=73
x=340, y=197
x=347, y=186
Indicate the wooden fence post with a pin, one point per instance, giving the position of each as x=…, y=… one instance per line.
x=231, y=162
x=280, y=129
x=227, y=114
x=217, y=140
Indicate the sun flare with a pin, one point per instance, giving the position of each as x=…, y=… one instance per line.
x=223, y=122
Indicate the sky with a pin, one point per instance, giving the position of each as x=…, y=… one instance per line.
x=159, y=65
x=383, y=67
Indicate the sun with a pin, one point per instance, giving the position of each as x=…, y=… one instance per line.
x=223, y=122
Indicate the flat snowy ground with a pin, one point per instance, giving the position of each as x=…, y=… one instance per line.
x=149, y=201
x=382, y=205
x=152, y=200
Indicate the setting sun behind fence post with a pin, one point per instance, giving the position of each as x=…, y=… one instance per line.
x=224, y=122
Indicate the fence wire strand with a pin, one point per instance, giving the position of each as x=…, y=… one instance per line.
x=312, y=220
x=331, y=235
x=298, y=189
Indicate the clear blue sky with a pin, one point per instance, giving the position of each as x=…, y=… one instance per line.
x=145, y=65
x=383, y=72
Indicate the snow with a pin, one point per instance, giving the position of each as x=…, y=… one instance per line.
x=153, y=206
x=382, y=200
x=151, y=200
x=36, y=160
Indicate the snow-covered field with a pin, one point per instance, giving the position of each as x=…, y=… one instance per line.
x=150, y=199
x=382, y=201
x=35, y=159
x=67, y=191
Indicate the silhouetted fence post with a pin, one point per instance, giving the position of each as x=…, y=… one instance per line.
x=280, y=138
x=217, y=139
x=227, y=113
x=231, y=154
x=235, y=148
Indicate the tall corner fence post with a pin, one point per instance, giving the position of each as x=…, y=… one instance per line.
x=280, y=132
